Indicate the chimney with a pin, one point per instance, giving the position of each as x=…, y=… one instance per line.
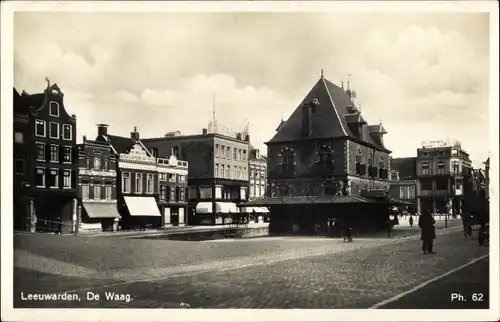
x=247, y=137
x=102, y=129
x=134, y=135
x=238, y=136
x=257, y=153
x=84, y=138
x=306, y=121
x=204, y=131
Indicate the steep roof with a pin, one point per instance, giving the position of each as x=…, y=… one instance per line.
x=329, y=119
x=121, y=144
x=407, y=167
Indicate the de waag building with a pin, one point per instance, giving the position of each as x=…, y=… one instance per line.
x=325, y=161
x=149, y=189
x=45, y=196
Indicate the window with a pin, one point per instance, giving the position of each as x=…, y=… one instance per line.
x=171, y=177
x=54, y=130
x=85, y=192
x=126, y=182
x=454, y=152
x=426, y=184
x=425, y=169
x=440, y=168
x=163, y=192
x=66, y=178
x=97, y=163
x=358, y=157
x=244, y=155
x=67, y=133
x=192, y=192
x=235, y=154
x=88, y=163
x=325, y=159
x=240, y=154
x=403, y=192
x=97, y=192
x=262, y=174
x=40, y=128
x=18, y=138
x=288, y=166
x=149, y=183
x=217, y=150
x=222, y=150
x=54, y=109
x=105, y=165
x=251, y=173
x=19, y=166
x=221, y=172
x=228, y=154
x=411, y=192
x=67, y=154
x=181, y=194
x=40, y=177
x=138, y=183
x=235, y=172
x=172, y=193
x=175, y=151
x=108, y=192
x=54, y=153
x=53, y=178
x=456, y=167
x=245, y=173
x=228, y=172
x=216, y=170
x=381, y=163
x=40, y=151
x=163, y=177
x=154, y=152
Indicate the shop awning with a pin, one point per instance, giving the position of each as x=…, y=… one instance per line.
x=259, y=210
x=303, y=200
x=101, y=210
x=221, y=207
x=142, y=206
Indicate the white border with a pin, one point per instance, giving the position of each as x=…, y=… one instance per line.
x=239, y=315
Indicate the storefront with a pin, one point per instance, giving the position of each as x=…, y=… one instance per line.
x=223, y=214
x=141, y=212
x=98, y=216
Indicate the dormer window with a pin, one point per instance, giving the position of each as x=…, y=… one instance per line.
x=54, y=109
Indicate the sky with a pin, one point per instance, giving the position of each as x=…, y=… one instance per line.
x=425, y=75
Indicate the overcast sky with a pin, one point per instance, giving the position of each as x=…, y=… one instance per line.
x=425, y=75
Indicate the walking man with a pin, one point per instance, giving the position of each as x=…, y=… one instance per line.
x=411, y=221
x=428, y=232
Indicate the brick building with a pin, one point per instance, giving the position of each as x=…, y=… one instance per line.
x=322, y=162
x=44, y=162
x=218, y=172
x=97, y=206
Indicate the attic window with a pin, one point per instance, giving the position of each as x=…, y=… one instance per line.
x=54, y=109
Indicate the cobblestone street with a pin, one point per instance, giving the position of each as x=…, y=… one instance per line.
x=286, y=272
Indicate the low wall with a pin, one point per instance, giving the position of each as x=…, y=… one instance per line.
x=235, y=232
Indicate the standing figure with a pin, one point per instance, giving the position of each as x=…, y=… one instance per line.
x=428, y=232
x=411, y=221
x=348, y=234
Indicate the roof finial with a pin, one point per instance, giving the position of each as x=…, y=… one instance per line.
x=321, y=72
x=135, y=128
x=342, y=82
x=48, y=81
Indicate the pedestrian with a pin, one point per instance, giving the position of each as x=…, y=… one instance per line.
x=348, y=234
x=428, y=232
x=330, y=227
x=411, y=221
